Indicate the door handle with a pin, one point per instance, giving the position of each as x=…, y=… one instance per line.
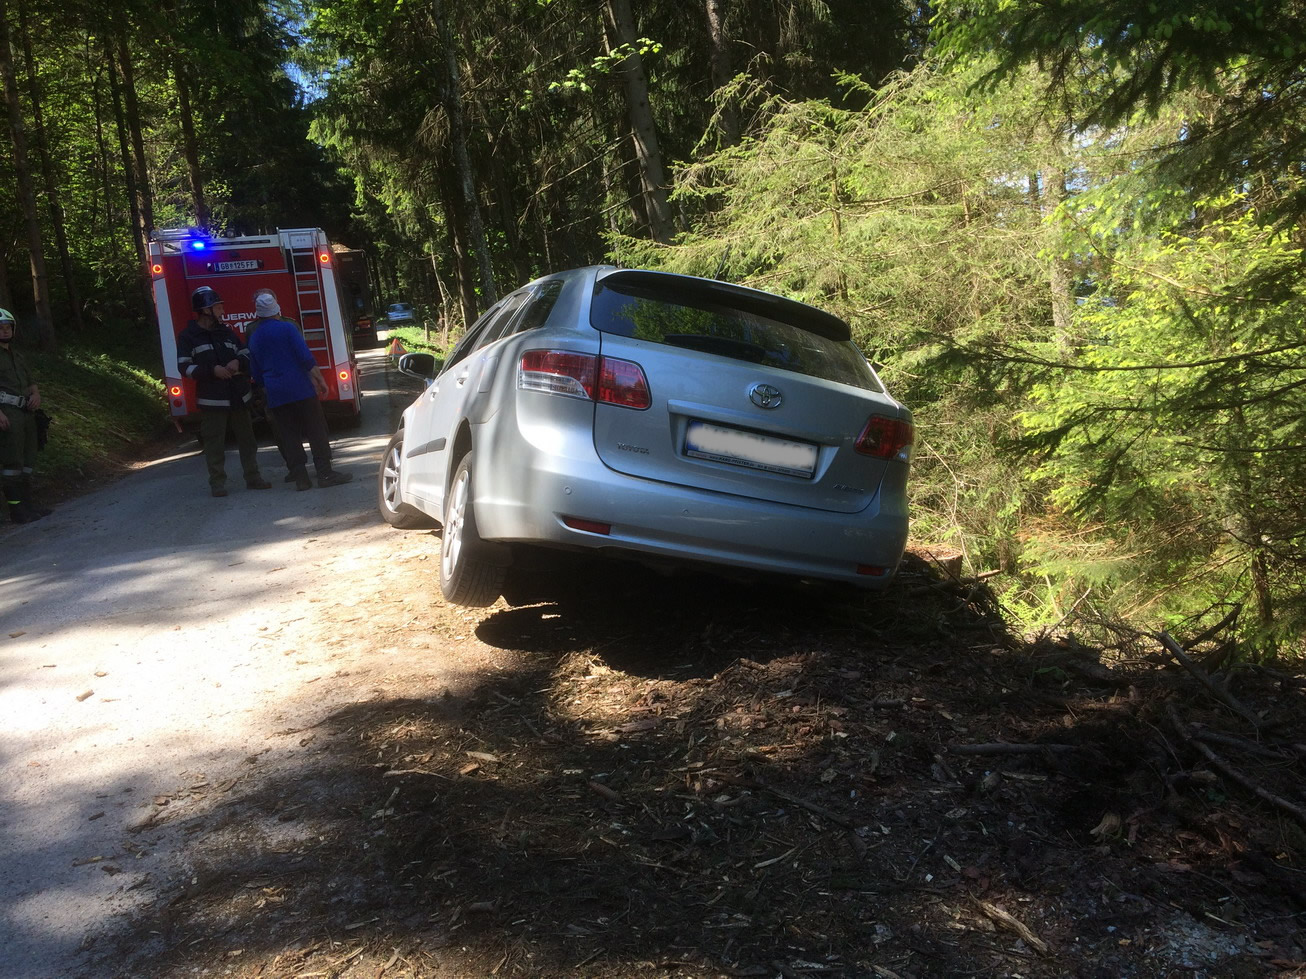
x=462, y=378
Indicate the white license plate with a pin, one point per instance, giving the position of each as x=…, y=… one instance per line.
x=244, y=265
x=737, y=447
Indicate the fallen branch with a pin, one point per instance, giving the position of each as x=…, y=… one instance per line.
x=1224, y=768
x=1073, y=609
x=1214, y=630
x=952, y=585
x=1287, y=679
x=811, y=807
x=1220, y=694
x=1233, y=741
x=99, y=423
x=1011, y=923
x=1002, y=748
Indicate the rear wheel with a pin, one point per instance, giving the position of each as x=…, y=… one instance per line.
x=469, y=573
x=389, y=498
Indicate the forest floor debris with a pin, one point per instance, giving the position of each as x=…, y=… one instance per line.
x=680, y=777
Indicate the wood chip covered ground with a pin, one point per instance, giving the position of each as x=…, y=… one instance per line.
x=684, y=777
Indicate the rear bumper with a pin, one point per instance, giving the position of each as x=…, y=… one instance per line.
x=523, y=496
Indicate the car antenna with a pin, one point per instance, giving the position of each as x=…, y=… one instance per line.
x=721, y=266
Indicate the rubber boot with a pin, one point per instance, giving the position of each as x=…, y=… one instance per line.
x=29, y=500
x=18, y=512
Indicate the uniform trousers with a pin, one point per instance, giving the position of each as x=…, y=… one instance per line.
x=18, y=445
x=214, y=424
x=299, y=422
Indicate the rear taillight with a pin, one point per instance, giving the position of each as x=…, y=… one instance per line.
x=623, y=383
x=573, y=375
x=558, y=372
x=886, y=438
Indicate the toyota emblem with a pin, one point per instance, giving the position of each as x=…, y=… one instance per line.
x=765, y=396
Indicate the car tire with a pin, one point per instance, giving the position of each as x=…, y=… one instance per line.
x=389, y=500
x=469, y=575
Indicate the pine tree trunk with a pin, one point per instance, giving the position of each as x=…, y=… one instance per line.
x=146, y=197
x=463, y=272
x=443, y=293
x=1059, y=283
x=6, y=298
x=722, y=70
x=621, y=25
x=129, y=177
x=611, y=203
x=26, y=190
x=453, y=105
x=1248, y=532
x=52, y=200
x=101, y=147
x=190, y=147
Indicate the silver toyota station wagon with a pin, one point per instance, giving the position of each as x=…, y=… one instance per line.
x=660, y=417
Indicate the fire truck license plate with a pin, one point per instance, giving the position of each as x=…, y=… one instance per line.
x=244, y=265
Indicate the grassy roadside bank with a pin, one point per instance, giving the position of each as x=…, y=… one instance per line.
x=105, y=407
x=414, y=338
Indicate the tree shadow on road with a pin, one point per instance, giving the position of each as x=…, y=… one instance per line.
x=671, y=785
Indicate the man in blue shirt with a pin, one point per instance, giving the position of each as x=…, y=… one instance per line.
x=283, y=364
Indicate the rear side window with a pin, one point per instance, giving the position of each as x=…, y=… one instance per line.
x=502, y=319
x=470, y=339
x=647, y=314
x=540, y=307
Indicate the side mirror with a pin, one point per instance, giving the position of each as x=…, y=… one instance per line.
x=423, y=366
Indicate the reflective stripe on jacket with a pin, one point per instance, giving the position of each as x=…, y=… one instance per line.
x=199, y=351
x=15, y=378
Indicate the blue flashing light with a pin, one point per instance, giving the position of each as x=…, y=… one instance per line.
x=199, y=246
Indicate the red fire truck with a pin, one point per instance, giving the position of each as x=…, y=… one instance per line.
x=297, y=265
x=355, y=282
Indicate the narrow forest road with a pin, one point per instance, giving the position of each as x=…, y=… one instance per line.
x=151, y=638
x=245, y=737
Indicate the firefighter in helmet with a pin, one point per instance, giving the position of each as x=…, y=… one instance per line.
x=211, y=354
x=19, y=399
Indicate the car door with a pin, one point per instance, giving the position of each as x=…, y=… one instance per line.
x=451, y=398
x=434, y=417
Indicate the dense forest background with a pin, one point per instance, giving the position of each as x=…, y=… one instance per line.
x=1079, y=261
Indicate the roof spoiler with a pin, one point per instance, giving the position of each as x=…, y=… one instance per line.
x=692, y=289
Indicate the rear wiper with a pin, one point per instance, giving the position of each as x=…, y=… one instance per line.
x=723, y=346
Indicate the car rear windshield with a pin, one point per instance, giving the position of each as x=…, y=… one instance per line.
x=720, y=329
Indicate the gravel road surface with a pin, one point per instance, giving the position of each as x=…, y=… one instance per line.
x=151, y=638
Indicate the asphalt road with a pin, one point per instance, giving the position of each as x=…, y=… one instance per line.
x=133, y=635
